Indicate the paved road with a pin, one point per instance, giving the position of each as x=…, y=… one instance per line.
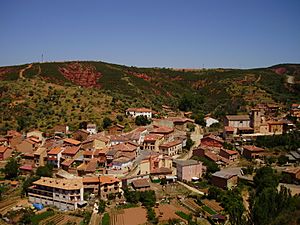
x=191, y=188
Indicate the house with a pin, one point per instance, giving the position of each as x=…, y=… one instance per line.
x=210, y=155
x=91, y=128
x=71, y=142
x=14, y=138
x=123, y=161
x=54, y=156
x=252, y=152
x=28, y=159
x=134, y=112
x=156, y=164
x=171, y=148
x=35, y=134
x=40, y=156
x=118, y=139
x=141, y=184
x=238, y=121
x=29, y=145
x=67, y=164
x=70, y=152
x=167, y=132
x=224, y=179
x=180, y=123
x=276, y=127
x=3, y=141
x=5, y=152
x=65, y=194
x=152, y=142
x=294, y=173
x=188, y=169
x=210, y=121
x=212, y=141
x=137, y=135
x=115, y=129
x=229, y=154
x=108, y=185
x=80, y=135
x=61, y=129
x=26, y=169
x=96, y=141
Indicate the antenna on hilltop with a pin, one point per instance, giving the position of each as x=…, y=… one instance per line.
x=42, y=58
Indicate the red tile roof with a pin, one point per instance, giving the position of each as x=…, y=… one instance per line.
x=138, y=110
x=55, y=151
x=67, y=162
x=171, y=144
x=26, y=167
x=72, y=141
x=162, y=130
x=253, y=148
x=71, y=150
x=152, y=137
x=3, y=149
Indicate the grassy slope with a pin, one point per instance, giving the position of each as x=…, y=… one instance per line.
x=47, y=98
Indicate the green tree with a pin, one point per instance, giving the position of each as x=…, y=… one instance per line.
x=28, y=183
x=265, y=177
x=11, y=169
x=45, y=171
x=120, y=118
x=199, y=119
x=142, y=120
x=101, y=206
x=189, y=143
x=106, y=122
x=282, y=160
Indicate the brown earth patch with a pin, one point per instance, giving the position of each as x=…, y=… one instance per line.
x=81, y=74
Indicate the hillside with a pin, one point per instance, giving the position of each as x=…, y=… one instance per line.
x=41, y=95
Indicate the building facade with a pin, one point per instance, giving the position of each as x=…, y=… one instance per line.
x=65, y=194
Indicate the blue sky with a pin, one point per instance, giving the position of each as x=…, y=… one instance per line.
x=162, y=33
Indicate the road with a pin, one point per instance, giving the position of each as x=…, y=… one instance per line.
x=191, y=188
x=22, y=71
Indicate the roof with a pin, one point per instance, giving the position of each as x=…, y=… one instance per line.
x=3, y=149
x=190, y=162
x=211, y=156
x=229, y=129
x=26, y=167
x=126, y=147
x=162, y=130
x=276, y=122
x=141, y=183
x=67, y=162
x=72, y=141
x=179, y=119
x=162, y=170
x=91, y=166
x=253, y=148
x=138, y=110
x=295, y=154
x=292, y=170
x=122, y=159
x=119, y=138
x=223, y=174
x=230, y=152
x=55, y=151
x=171, y=144
x=238, y=117
x=71, y=150
x=214, y=137
x=66, y=184
x=91, y=126
x=103, y=180
x=99, y=137
x=152, y=137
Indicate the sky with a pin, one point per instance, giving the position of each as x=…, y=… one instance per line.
x=156, y=33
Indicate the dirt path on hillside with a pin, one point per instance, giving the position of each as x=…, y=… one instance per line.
x=22, y=71
x=290, y=79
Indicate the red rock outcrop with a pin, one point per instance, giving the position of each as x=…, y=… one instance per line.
x=81, y=74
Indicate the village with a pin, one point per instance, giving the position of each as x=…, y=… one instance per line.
x=87, y=176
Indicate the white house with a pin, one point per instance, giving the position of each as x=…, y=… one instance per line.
x=91, y=128
x=134, y=112
x=210, y=121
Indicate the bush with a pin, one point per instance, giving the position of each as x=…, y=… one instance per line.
x=106, y=219
x=142, y=121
